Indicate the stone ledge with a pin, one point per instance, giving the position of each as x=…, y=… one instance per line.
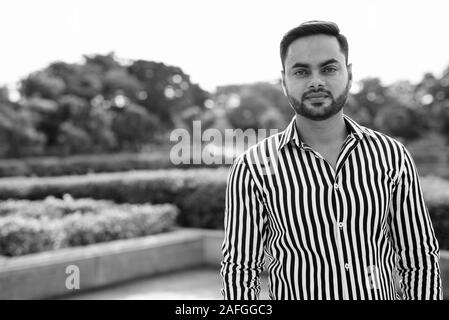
x=42, y=275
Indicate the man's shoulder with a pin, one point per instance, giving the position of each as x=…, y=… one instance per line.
x=387, y=148
x=377, y=136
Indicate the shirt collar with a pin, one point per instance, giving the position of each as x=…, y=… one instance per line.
x=290, y=134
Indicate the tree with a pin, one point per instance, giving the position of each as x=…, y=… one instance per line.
x=167, y=90
x=46, y=117
x=433, y=94
x=398, y=121
x=260, y=105
x=368, y=101
x=18, y=136
x=133, y=126
x=102, y=63
x=4, y=94
x=42, y=84
x=120, y=82
x=247, y=114
x=96, y=102
x=72, y=139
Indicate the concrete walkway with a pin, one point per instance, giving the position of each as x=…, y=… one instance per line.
x=194, y=284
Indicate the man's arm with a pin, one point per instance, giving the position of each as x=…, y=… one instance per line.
x=413, y=237
x=243, y=244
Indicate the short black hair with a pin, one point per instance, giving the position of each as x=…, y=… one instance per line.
x=312, y=28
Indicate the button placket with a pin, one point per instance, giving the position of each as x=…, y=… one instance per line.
x=336, y=182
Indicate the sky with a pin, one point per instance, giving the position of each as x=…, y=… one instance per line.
x=222, y=42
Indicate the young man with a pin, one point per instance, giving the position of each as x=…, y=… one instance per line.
x=336, y=207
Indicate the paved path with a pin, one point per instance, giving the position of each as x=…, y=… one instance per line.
x=194, y=284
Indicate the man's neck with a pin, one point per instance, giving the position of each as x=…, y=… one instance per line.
x=324, y=133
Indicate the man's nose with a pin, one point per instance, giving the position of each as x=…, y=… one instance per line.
x=315, y=83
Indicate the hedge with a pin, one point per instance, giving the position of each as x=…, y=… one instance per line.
x=84, y=164
x=19, y=235
x=202, y=187
x=428, y=154
x=28, y=227
x=436, y=194
x=198, y=193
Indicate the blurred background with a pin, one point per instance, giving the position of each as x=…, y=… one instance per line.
x=90, y=92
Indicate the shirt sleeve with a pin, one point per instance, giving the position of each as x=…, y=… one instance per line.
x=243, y=245
x=413, y=236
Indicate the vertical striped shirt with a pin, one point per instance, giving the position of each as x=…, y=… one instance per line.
x=328, y=234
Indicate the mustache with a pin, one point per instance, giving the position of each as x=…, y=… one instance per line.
x=315, y=92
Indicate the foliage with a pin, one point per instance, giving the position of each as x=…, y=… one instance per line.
x=18, y=136
x=201, y=211
x=144, y=126
x=122, y=222
x=34, y=226
x=31, y=226
x=198, y=193
x=89, y=107
x=167, y=90
x=87, y=164
x=254, y=106
x=436, y=193
x=203, y=187
x=19, y=236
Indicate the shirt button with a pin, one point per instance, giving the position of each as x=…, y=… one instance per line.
x=336, y=186
x=347, y=266
x=340, y=225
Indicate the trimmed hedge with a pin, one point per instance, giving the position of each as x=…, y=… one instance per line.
x=52, y=208
x=430, y=154
x=84, y=164
x=198, y=193
x=19, y=236
x=118, y=223
x=28, y=227
x=436, y=193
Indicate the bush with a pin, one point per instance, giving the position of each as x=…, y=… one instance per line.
x=34, y=226
x=51, y=207
x=161, y=186
x=436, y=193
x=204, y=207
x=198, y=193
x=117, y=223
x=84, y=164
x=435, y=190
x=55, y=166
x=19, y=235
x=431, y=155
x=439, y=213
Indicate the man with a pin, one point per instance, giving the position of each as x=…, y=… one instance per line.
x=337, y=208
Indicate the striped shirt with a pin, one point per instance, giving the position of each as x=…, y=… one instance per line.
x=328, y=234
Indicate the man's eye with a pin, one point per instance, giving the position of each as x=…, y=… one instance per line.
x=300, y=73
x=329, y=70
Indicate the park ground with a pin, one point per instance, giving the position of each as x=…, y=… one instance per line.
x=192, y=284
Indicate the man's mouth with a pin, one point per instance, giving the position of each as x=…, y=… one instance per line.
x=317, y=96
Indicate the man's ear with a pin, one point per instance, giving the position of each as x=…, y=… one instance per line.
x=349, y=68
x=284, y=88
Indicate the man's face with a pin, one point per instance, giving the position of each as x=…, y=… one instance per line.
x=316, y=79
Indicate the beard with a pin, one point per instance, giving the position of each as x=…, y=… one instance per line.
x=318, y=111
